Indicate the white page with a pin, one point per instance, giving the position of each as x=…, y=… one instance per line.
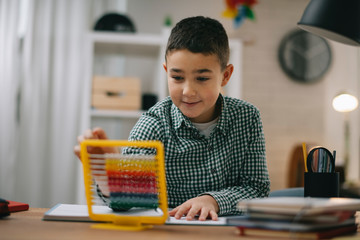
x=182, y=221
x=75, y=212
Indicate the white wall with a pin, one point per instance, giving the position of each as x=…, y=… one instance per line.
x=344, y=76
x=294, y=112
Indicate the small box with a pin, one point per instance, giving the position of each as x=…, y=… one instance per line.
x=117, y=93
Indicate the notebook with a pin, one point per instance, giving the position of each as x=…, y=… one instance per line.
x=79, y=213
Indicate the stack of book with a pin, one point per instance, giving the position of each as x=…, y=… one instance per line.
x=297, y=217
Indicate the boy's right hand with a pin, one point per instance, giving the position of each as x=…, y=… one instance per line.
x=96, y=133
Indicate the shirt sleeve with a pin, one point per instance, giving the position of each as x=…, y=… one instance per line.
x=147, y=128
x=254, y=180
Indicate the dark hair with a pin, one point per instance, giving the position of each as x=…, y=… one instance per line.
x=200, y=35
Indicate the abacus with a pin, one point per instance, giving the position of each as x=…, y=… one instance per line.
x=132, y=175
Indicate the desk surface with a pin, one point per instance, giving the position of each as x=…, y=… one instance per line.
x=29, y=225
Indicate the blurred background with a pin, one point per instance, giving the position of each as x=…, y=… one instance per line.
x=50, y=53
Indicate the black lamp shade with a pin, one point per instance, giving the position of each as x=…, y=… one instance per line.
x=338, y=20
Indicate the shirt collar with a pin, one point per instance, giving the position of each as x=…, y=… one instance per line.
x=179, y=119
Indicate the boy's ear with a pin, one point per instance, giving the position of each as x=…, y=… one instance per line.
x=227, y=74
x=164, y=65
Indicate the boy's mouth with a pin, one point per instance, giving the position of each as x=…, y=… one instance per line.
x=190, y=104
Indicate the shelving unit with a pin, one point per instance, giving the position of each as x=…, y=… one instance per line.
x=117, y=113
x=138, y=55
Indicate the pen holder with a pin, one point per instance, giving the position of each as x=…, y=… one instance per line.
x=321, y=184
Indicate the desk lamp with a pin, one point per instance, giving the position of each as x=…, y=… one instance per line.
x=333, y=19
x=345, y=103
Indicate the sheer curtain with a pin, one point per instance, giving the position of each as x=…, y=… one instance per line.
x=43, y=84
x=9, y=83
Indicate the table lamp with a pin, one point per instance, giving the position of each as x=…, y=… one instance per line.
x=339, y=21
x=345, y=103
x=333, y=19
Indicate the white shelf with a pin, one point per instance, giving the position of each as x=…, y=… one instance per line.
x=116, y=113
x=127, y=43
x=127, y=38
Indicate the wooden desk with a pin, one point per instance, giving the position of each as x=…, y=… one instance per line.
x=29, y=225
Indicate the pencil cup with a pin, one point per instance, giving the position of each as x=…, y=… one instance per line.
x=321, y=184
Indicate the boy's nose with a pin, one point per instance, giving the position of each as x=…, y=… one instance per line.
x=189, y=89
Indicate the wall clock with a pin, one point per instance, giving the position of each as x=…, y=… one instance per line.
x=304, y=57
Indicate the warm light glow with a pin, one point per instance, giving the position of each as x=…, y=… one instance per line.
x=345, y=102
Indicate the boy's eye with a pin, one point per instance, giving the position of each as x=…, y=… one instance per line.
x=202, y=79
x=178, y=78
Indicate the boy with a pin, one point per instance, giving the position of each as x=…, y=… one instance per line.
x=214, y=145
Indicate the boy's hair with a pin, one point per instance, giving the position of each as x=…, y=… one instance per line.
x=200, y=35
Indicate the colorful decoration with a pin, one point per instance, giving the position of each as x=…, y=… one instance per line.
x=239, y=10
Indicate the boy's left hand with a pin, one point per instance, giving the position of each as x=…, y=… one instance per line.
x=205, y=206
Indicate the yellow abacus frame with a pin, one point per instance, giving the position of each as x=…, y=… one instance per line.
x=123, y=222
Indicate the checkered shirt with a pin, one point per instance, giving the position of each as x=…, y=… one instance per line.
x=230, y=165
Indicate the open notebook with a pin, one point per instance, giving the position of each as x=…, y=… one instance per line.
x=79, y=213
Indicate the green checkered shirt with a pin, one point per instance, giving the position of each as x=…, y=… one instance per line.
x=230, y=165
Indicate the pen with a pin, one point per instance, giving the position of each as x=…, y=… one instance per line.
x=322, y=161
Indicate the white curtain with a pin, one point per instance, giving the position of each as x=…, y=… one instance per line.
x=9, y=83
x=37, y=164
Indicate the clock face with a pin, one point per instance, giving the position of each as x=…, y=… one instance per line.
x=304, y=57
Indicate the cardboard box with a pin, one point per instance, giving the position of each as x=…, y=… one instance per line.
x=117, y=93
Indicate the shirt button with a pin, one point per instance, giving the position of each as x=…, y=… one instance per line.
x=196, y=135
x=213, y=171
x=210, y=148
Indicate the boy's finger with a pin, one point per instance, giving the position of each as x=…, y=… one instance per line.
x=181, y=211
x=80, y=139
x=192, y=213
x=99, y=133
x=213, y=215
x=203, y=214
x=173, y=211
x=77, y=151
x=88, y=134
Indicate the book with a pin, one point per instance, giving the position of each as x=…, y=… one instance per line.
x=297, y=217
x=328, y=217
x=266, y=233
x=297, y=205
x=287, y=225
x=79, y=213
x=17, y=206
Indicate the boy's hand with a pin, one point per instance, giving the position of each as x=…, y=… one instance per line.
x=96, y=133
x=205, y=206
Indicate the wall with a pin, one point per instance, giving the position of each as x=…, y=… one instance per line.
x=294, y=112
x=285, y=104
x=344, y=76
x=291, y=112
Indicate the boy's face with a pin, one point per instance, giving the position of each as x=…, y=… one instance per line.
x=194, y=82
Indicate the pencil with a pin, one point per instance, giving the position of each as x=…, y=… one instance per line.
x=304, y=153
x=334, y=156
